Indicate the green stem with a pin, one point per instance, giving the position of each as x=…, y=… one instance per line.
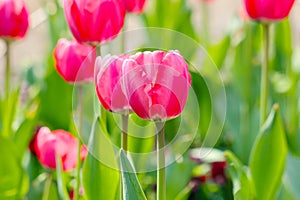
x=7, y=71
x=102, y=109
x=264, y=75
x=98, y=50
x=161, y=173
x=47, y=187
x=80, y=113
x=124, y=132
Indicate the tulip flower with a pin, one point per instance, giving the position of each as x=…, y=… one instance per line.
x=108, y=81
x=157, y=84
x=47, y=145
x=135, y=6
x=268, y=10
x=13, y=19
x=94, y=21
x=74, y=61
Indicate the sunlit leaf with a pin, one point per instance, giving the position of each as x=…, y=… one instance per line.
x=13, y=179
x=242, y=185
x=132, y=189
x=291, y=179
x=100, y=181
x=56, y=102
x=9, y=112
x=178, y=176
x=268, y=157
x=24, y=134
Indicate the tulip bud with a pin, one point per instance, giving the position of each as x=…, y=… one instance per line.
x=94, y=21
x=108, y=81
x=74, y=61
x=48, y=144
x=13, y=19
x=268, y=10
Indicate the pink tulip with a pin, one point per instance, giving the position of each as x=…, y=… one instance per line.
x=108, y=80
x=157, y=84
x=268, y=10
x=13, y=18
x=47, y=145
x=74, y=61
x=94, y=21
x=135, y=6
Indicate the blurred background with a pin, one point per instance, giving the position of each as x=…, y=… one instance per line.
x=34, y=48
x=234, y=43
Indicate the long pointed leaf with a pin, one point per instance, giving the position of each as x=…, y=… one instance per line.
x=131, y=187
x=100, y=181
x=268, y=157
x=242, y=185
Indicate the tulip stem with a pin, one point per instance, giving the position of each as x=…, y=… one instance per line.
x=102, y=109
x=7, y=71
x=264, y=75
x=124, y=132
x=80, y=114
x=98, y=50
x=161, y=173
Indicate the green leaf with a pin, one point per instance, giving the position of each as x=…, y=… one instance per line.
x=132, y=189
x=100, y=169
x=13, y=179
x=56, y=102
x=9, y=112
x=141, y=141
x=178, y=176
x=185, y=193
x=204, y=101
x=24, y=134
x=242, y=185
x=242, y=117
x=268, y=157
x=50, y=190
x=62, y=191
x=218, y=52
x=291, y=179
x=283, y=48
x=162, y=11
x=159, y=15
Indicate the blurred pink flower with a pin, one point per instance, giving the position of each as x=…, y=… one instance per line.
x=157, y=84
x=74, y=61
x=47, y=145
x=94, y=21
x=108, y=80
x=218, y=172
x=135, y=6
x=13, y=18
x=72, y=193
x=208, y=1
x=268, y=10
